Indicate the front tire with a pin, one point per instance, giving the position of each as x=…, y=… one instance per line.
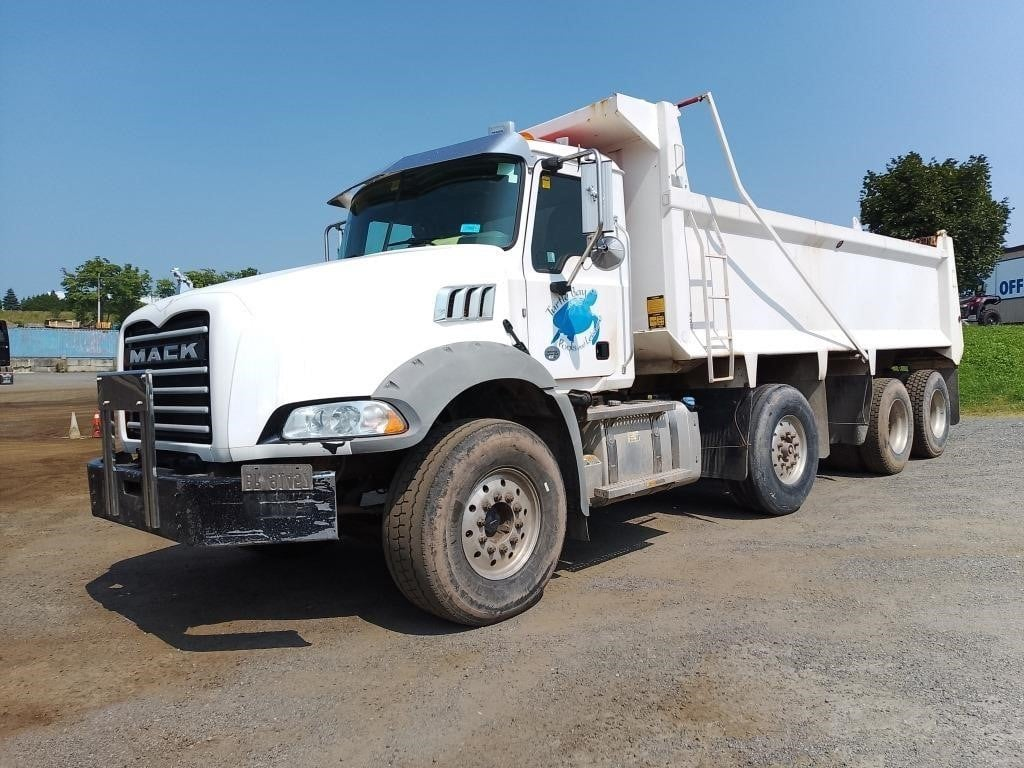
x=783, y=452
x=475, y=521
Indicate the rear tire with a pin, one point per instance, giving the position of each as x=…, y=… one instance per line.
x=890, y=428
x=929, y=397
x=455, y=550
x=782, y=457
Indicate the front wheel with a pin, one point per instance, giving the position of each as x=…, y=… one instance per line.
x=475, y=521
x=782, y=454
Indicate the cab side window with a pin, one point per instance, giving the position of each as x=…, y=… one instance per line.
x=558, y=223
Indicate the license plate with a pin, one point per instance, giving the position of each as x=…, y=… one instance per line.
x=277, y=477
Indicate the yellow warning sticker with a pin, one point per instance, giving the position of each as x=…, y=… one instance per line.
x=545, y=182
x=655, y=312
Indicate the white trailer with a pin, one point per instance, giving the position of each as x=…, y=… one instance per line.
x=518, y=329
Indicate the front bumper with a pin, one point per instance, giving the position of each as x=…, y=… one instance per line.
x=196, y=508
x=210, y=510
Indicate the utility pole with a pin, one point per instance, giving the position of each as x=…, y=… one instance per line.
x=99, y=295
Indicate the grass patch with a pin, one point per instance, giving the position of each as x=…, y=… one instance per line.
x=992, y=369
x=22, y=316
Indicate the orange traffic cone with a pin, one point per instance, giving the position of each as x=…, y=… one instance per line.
x=96, y=425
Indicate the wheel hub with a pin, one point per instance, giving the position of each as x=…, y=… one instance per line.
x=788, y=454
x=501, y=524
x=899, y=427
x=937, y=414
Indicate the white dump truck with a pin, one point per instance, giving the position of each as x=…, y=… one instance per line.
x=517, y=330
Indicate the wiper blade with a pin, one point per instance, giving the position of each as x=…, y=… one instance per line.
x=412, y=241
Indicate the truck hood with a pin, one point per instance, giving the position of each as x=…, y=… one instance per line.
x=329, y=331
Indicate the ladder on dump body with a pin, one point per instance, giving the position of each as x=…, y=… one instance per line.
x=855, y=346
x=714, y=340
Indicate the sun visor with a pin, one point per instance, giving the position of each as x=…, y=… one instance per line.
x=493, y=144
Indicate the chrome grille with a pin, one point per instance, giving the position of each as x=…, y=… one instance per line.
x=178, y=354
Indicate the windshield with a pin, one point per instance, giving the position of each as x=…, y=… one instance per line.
x=470, y=200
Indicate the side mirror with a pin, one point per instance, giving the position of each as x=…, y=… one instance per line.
x=608, y=253
x=596, y=189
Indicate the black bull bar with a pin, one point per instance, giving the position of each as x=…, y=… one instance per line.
x=202, y=508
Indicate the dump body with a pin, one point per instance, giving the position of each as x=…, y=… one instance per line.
x=889, y=294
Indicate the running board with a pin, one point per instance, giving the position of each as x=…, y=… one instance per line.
x=607, y=493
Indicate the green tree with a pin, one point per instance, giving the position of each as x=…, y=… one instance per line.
x=200, y=278
x=10, y=300
x=913, y=199
x=164, y=287
x=246, y=272
x=45, y=302
x=203, y=277
x=120, y=289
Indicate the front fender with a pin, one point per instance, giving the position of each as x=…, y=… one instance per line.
x=423, y=386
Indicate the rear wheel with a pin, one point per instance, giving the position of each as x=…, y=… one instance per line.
x=475, y=521
x=929, y=397
x=782, y=457
x=890, y=428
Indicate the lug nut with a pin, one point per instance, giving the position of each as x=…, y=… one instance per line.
x=490, y=550
x=482, y=540
x=519, y=524
x=503, y=549
x=509, y=498
x=479, y=522
x=513, y=541
x=497, y=497
x=517, y=508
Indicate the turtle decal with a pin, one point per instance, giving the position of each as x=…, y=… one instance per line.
x=574, y=317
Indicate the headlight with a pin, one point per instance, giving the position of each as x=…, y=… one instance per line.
x=353, y=418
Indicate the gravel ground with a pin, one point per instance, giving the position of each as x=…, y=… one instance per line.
x=881, y=625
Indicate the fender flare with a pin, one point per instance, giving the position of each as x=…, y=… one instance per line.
x=424, y=385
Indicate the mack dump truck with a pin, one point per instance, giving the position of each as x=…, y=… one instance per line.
x=518, y=329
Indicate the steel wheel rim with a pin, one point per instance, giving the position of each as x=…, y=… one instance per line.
x=789, y=450
x=899, y=427
x=937, y=413
x=500, y=524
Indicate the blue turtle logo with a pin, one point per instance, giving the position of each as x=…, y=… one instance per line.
x=574, y=317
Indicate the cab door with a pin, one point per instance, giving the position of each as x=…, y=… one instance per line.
x=577, y=336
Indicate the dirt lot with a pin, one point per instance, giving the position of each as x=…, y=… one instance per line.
x=882, y=625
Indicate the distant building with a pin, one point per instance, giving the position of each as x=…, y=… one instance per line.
x=1007, y=282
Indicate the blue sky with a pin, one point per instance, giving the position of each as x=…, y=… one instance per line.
x=210, y=134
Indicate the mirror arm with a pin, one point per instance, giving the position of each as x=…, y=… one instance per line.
x=564, y=286
x=338, y=225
